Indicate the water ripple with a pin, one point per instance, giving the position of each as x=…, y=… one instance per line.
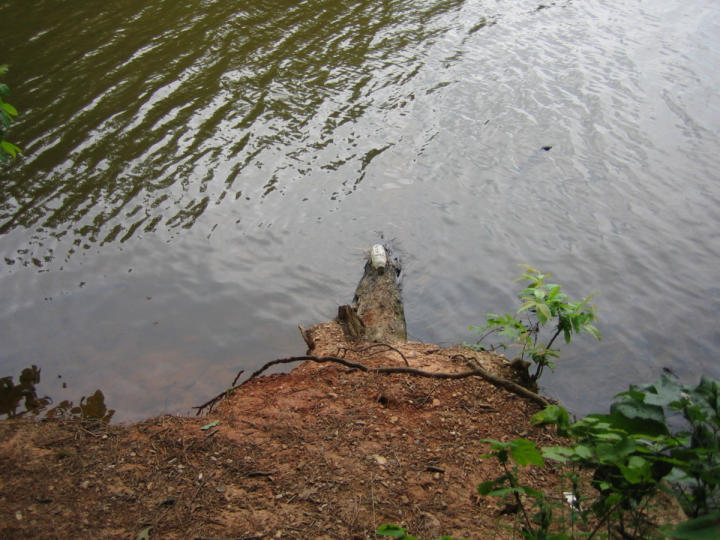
x=242, y=149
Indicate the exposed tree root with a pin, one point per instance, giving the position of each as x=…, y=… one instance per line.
x=474, y=371
x=374, y=346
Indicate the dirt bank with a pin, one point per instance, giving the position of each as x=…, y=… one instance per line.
x=320, y=452
x=332, y=449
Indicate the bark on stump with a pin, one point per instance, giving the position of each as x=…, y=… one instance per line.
x=377, y=312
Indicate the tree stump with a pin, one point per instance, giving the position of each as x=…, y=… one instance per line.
x=377, y=312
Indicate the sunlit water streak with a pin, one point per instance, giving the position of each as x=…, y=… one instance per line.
x=200, y=177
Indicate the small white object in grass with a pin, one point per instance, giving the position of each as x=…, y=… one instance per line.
x=571, y=499
x=378, y=257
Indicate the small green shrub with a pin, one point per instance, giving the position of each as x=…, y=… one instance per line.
x=632, y=454
x=546, y=307
x=662, y=436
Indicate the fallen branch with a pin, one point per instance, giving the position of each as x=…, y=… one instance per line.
x=475, y=371
x=504, y=383
x=318, y=359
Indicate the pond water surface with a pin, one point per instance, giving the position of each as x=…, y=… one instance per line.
x=199, y=177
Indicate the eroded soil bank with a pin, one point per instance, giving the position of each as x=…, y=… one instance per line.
x=320, y=452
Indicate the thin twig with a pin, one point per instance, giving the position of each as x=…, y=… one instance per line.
x=552, y=339
x=604, y=517
x=96, y=435
x=390, y=347
x=213, y=401
x=427, y=398
x=237, y=377
x=486, y=334
x=372, y=498
x=225, y=393
x=517, y=498
x=320, y=360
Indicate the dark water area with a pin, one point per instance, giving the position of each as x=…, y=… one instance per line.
x=21, y=398
x=199, y=177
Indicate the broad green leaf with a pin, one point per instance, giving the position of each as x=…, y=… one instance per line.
x=608, y=436
x=612, y=499
x=499, y=450
x=394, y=531
x=527, y=305
x=637, y=462
x=4, y=90
x=583, y=451
x=506, y=491
x=553, y=414
x=637, y=470
x=524, y=452
x=590, y=419
x=594, y=332
x=703, y=528
x=12, y=111
x=666, y=391
x=633, y=392
x=604, y=486
x=9, y=148
x=606, y=452
x=496, y=445
x=639, y=411
x=557, y=453
x=616, y=450
x=636, y=426
x=553, y=290
x=543, y=310
x=484, y=488
x=533, y=492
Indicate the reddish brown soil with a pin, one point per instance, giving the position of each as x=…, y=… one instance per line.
x=320, y=452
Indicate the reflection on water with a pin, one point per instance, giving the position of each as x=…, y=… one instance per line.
x=92, y=408
x=11, y=395
x=199, y=177
x=151, y=114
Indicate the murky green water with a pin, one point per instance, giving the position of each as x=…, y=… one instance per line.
x=199, y=177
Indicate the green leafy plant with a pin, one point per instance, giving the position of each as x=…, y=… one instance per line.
x=545, y=307
x=7, y=115
x=631, y=455
x=693, y=450
x=395, y=531
x=657, y=438
x=520, y=452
